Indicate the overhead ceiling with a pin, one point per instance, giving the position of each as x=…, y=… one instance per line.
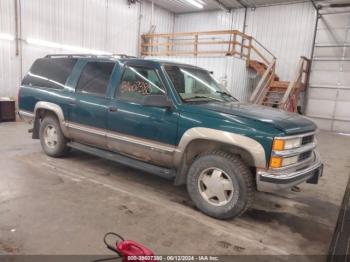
x=184, y=6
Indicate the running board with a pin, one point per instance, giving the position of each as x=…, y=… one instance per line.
x=156, y=170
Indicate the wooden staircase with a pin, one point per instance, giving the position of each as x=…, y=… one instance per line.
x=270, y=91
x=273, y=92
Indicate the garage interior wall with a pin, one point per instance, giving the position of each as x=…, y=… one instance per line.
x=102, y=25
x=329, y=90
x=114, y=26
x=285, y=30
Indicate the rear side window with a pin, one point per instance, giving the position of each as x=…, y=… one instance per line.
x=94, y=78
x=49, y=72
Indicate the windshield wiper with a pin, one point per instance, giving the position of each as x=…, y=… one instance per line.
x=224, y=93
x=207, y=97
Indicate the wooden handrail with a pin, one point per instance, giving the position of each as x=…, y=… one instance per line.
x=264, y=81
x=294, y=87
x=166, y=44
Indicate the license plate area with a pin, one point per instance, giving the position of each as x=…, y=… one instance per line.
x=317, y=173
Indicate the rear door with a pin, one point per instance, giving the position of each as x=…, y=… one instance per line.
x=88, y=109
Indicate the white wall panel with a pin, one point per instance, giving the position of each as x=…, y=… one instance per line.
x=93, y=24
x=286, y=31
x=106, y=25
x=209, y=21
x=329, y=95
x=9, y=63
x=9, y=69
x=162, y=19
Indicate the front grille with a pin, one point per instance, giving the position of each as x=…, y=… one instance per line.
x=307, y=139
x=304, y=156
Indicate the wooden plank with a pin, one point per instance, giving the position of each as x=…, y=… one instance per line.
x=261, y=85
x=190, y=43
x=175, y=53
x=220, y=32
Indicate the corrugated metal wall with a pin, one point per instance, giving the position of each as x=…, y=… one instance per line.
x=105, y=25
x=209, y=21
x=101, y=24
x=285, y=30
x=329, y=92
x=9, y=63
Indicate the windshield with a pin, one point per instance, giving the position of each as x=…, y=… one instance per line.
x=194, y=84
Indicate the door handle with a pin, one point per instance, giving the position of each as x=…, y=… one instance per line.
x=112, y=109
x=72, y=103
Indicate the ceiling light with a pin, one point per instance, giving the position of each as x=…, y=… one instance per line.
x=195, y=3
x=65, y=47
x=4, y=36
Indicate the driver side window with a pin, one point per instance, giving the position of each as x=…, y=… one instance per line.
x=139, y=82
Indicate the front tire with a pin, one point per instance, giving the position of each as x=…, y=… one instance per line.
x=51, y=136
x=220, y=185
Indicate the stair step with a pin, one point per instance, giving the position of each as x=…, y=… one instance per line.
x=276, y=92
x=282, y=84
x=259, y=68
x=272, y=103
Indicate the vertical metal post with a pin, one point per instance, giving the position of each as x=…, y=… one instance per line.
x=318, y=16
x=16, y=28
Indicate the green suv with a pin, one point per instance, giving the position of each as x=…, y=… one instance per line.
x=172, y=120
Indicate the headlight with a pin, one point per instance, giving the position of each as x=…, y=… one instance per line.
x=277, y=161
x=290, y=160
x=281, y=144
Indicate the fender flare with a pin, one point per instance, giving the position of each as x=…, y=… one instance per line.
x=253, y=147
x=55, y=109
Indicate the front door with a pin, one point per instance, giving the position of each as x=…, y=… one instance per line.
x=144, y=132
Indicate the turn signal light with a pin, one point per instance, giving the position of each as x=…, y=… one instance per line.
x=275, y=162
x=278, y=145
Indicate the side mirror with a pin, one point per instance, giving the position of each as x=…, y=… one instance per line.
x=157, y=101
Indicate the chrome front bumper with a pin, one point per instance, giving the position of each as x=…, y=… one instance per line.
x=272, y=181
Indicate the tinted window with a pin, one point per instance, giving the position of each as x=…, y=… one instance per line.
x=138, y=82
x=94, y=78
x=49, y=72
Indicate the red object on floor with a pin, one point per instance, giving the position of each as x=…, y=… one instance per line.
x=130, y=250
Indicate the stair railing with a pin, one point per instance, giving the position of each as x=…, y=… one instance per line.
x=289, y=101
x=262, y=87
x=216, y=43
x=208, y=43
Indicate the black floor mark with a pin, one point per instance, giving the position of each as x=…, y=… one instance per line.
x=309, y=229
x=223, y=244
x=126, y=210
x=238, y=248
x=185, y=202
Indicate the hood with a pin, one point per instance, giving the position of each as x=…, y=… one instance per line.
x=289, y=123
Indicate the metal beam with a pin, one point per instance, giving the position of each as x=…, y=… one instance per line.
x=222, y=6
x=241, y=3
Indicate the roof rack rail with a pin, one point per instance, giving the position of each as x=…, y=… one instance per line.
x=70, y=55
x=123, y=56
x=89, y=56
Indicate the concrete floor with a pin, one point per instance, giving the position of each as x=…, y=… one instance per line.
x=65, y=206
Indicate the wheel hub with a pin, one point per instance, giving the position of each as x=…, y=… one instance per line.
x=215, y=186
x=50, y=136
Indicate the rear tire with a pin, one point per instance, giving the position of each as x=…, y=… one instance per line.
x=220, y=185
x=51, y=136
